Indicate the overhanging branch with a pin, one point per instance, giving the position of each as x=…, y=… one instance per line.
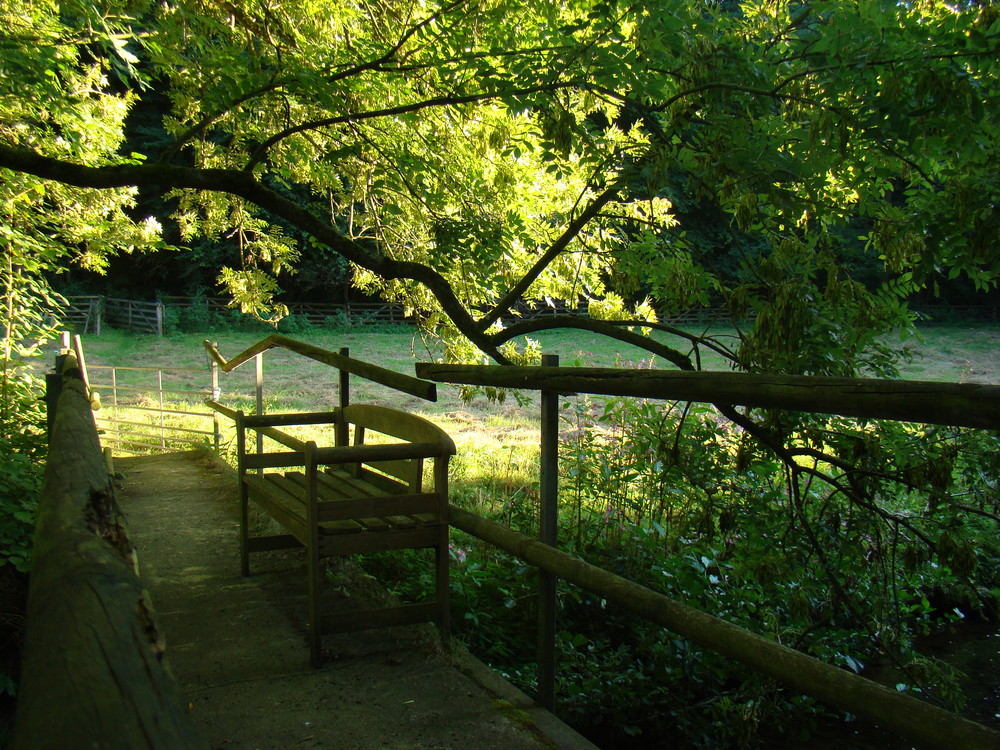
x=246, y=186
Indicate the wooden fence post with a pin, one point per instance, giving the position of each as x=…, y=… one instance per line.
x=344, y=393
x=259, y=376
x=54, y=382
x=548, y=492
x=216, y=395
x=53, y=387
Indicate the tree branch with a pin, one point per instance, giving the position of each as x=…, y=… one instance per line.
x=439, y=101
x=244, y=185
x=575, y=227
x=603, y=327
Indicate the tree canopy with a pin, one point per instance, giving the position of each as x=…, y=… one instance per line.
x=808, y=164
x=469, y=156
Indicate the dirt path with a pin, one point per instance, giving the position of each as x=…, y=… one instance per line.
x=238, y=647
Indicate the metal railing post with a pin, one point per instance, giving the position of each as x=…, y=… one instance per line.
x=114, y=409
x=259, y=375
x=159, y=388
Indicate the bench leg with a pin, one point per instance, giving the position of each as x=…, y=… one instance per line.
x=315, y=574
x=443, y=589
x=244, y=530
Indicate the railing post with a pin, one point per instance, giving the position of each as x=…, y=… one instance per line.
x=114, y=410
x=159, y=390
x=344, y=393
x=54, y=382
x=53, y=387
x=159, y=319
x=548, y=492
x=216, y=395
x=259, y=371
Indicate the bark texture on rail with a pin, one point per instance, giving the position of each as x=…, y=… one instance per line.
x=926, y=725
x=94, y=674
x=959, y=404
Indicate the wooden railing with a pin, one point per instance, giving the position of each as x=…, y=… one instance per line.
x=85, y=313
x=347, y=313
x=94, y=671
x=941, y=403
x=342, y=361
x=146, y=317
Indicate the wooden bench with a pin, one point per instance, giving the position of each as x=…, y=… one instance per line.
x=355, y=497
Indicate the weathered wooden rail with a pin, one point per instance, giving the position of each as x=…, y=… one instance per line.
x=957, y=404
x=340, y=360
x=94, y=672
x=953, y=404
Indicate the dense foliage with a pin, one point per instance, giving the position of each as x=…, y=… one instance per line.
x=499, y=151
x=677, y=498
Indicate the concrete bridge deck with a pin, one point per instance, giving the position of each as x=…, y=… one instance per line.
x=237, y=645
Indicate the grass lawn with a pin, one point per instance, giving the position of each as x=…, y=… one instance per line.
x=493, y=431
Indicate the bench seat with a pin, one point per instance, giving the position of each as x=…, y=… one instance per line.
x=352, y=499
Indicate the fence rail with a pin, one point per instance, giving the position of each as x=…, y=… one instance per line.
x=316, y=313
x=89, y=312
x=94, y=672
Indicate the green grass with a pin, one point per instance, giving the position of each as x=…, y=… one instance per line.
x=487, y=429
x=955, y=353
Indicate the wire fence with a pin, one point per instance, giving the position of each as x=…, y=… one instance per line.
x=154, y=409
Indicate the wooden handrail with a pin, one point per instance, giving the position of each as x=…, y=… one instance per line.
x=957, y=404
x=917, y=720
x=941, y=403
x=397, y=380
x=94, y=671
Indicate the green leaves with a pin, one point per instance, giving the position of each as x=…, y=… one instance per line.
x=500, y=151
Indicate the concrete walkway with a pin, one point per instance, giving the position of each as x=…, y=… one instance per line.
x=237, y=645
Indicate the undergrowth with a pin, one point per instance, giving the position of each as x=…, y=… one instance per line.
x=677, y=499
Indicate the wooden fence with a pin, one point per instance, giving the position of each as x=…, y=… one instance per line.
x=84, y=314
x=87, y=313
x=316, y=313
x=94, y=671
x=132, y=315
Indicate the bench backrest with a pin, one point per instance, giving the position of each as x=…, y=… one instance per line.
x=403, y=426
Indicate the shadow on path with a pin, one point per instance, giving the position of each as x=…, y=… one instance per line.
x=238, y=645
